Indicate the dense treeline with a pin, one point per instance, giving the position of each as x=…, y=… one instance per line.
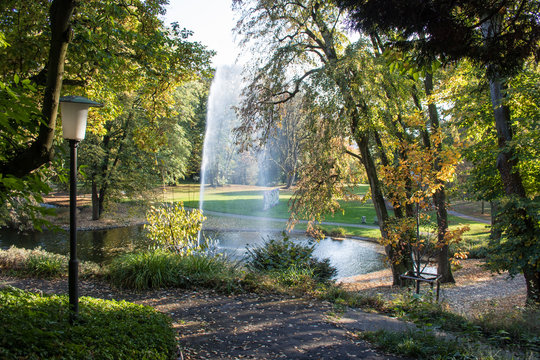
x=152, y=79
x=408, y=105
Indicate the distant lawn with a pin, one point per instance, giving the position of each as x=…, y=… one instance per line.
x=248, y=200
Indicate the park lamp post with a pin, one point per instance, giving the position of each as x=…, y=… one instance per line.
x=74, y=114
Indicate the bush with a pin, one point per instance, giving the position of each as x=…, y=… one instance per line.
x=37, y=327
x=46, y=265
x=280, y=255
x=159, y=268
x=173, y=228
x=338, y=232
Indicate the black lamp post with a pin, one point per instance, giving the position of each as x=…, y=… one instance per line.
x=74, y=114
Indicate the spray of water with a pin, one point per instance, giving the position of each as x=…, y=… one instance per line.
x=218, y=145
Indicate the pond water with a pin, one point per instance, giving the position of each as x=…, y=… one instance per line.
x=350, y=257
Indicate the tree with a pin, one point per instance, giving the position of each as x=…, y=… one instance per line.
x=287, y=145
x=120, y=50
x=471, y=111
x=192, y=99
x=37, y=149
x=499, y=35
x=309, y=54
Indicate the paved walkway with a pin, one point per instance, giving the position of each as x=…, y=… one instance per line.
x=245, y=326
x=463, y=216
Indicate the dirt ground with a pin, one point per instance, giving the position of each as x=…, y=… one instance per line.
x=476, y=290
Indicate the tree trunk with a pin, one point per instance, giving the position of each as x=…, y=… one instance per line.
x=495, y=232
x=101, y=199
x=41, y=150
x=95, y=201
x=506, y=160
x=532, y=278
x=290, y=179
x=377, y=197
x=439, y=197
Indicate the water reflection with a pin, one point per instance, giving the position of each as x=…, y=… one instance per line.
x=350, y=257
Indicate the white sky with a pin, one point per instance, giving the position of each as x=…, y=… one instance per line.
x=211, y=22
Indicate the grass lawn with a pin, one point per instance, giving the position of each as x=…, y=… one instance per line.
x=248, y=200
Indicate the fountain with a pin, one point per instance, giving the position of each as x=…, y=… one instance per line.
x=219, y=147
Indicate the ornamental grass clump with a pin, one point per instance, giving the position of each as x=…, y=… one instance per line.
x=159, y=268
x=40, y=263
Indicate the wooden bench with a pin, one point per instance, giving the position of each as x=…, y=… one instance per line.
x=423, y=277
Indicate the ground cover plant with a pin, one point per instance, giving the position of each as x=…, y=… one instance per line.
x=37, y=326
x=516, y=330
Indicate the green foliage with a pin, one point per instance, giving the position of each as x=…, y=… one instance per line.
x=46, y=265
x=425, y=345
x=40, y=263
x=338, y=295
x=516, y=329
x=37, y=327
x=122, y=55
x=285, y=256
x=20, y=196
x=518, y=248
x=144, y=270
x=160, y=269
x=172, y=227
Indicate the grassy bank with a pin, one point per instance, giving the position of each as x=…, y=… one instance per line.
x=247, y=200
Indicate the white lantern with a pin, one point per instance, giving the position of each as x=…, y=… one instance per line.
x=74, y=114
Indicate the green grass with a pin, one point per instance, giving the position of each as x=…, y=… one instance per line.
x=36, y=326
x=426, y=345
x=244, y=200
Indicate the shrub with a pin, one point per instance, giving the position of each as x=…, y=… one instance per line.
x=37, y=327
x=337, y=232
x=173, y=228
x=282, y=254
x=46, y=265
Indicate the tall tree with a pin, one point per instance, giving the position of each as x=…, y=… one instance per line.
x=308, y=53
x=38, y=149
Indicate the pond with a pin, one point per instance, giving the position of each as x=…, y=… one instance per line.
x=350, y=257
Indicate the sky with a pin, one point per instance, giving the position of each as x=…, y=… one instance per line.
x=211, y=21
